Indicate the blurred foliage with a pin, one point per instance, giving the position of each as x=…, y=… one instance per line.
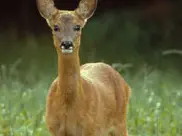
x=115, y=37
x=131, y=44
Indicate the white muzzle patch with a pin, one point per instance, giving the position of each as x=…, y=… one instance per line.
x=67, y=51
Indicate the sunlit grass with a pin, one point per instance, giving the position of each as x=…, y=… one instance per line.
x=155, y=106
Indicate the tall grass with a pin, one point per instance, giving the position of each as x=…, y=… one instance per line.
x=155, y=106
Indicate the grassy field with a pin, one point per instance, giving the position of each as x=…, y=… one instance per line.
x=28, y=66
x=155, y=106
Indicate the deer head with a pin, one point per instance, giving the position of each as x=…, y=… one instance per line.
x=66, y=25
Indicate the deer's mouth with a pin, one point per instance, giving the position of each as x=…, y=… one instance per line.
x=66, y=50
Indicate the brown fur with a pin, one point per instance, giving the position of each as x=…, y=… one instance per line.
x=86, y=100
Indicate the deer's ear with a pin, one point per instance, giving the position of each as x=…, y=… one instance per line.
x=46, y=8
x=86, y=8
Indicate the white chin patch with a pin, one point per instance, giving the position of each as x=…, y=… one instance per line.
x=67, y=51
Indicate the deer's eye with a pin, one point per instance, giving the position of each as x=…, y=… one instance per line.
x=56, y=28
x=76, y=28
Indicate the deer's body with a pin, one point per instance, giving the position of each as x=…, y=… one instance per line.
x=87, y=100
x=99, y=105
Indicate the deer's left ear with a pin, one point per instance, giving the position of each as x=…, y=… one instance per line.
x=46, y=8
x=86, y=8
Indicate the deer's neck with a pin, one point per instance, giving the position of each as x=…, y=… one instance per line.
x=69, y=77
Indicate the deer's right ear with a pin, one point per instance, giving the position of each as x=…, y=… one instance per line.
x=86, y=8
x=46, y=8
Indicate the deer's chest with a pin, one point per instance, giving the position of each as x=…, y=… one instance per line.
x=63, y=121
x=66, y=124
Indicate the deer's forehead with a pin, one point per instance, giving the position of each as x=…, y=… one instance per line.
x=66, y=19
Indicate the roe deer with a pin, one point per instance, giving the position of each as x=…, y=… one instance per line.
x=86, y=100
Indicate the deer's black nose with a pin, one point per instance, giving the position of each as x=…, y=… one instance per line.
x=66, y=44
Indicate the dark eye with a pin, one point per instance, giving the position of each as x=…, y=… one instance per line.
x=56, y=28
x=77, y=28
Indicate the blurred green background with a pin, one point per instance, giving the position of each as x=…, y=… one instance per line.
x=143, y=42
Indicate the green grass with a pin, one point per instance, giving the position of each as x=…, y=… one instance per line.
x=155, y=106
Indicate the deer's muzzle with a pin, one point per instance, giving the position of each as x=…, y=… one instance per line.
x=66, y=47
